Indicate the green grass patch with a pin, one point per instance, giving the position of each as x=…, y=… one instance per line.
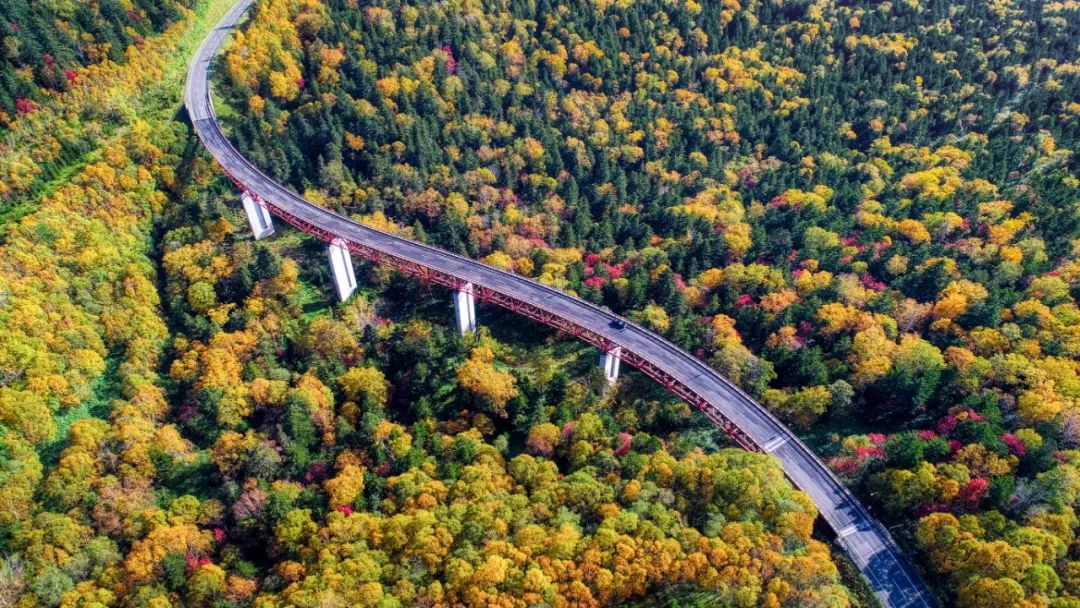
x=313, y=297
x=313, y=302
x=104, y=390
x=286, y=240
x=225, y=111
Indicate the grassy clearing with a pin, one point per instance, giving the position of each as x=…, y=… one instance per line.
x=226, y=113
x=313, y=302
x=103, y=391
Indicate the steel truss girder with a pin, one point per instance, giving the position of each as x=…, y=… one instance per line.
x=526, y=309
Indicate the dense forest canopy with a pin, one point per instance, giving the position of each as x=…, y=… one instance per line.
x=186, y=421
x=864, y=213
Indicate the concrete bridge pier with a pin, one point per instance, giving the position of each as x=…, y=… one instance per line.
x=609, y=362
x=262, y=225
x=342, y=268
x=465, y=309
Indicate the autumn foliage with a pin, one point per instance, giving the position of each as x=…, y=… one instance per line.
x=865, y=214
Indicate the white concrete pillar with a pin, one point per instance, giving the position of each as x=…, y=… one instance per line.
x=609, y=362
x=262, y=225
x=342, y=268
x=465, y=309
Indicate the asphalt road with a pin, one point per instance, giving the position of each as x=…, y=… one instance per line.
x=863, y=538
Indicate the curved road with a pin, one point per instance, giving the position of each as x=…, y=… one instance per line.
x=863, y=538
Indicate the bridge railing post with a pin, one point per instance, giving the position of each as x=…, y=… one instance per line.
x=609, y=362
x=262, y=224
x=341, y=267
x=465, y=309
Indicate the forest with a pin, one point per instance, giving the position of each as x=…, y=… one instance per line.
x=865, y=214
x=185, y=420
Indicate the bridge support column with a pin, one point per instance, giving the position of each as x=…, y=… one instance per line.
x=342, y=268
x=465, y=309
x=609, y=362
x=262, y=225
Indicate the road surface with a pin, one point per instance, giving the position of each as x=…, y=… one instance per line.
x=863, y=538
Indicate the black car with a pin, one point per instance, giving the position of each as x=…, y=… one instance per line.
x=618, y=324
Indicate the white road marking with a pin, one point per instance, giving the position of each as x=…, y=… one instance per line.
x=774, y=443
x=848, y=531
